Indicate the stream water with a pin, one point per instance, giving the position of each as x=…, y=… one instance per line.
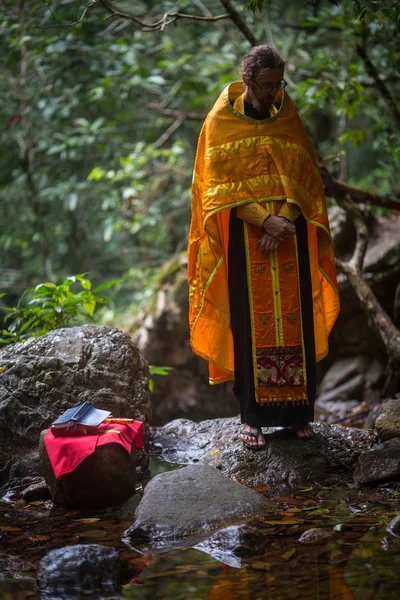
x=356, y=559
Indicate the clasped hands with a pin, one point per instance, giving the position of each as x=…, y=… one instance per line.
x=275, y=230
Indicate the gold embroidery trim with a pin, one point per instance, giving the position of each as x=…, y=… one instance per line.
x=251, y=307
x=301, y=322
x=276, y=294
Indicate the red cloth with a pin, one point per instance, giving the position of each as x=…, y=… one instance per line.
x=67, y=452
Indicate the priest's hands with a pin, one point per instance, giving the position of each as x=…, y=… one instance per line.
x=275, y=230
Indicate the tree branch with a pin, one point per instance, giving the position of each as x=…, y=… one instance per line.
x=361, y=50
x=377, y=317
x=159, y=25
x=68, y=24
x=190, y=115
x=167, y=134
x=336, y=188
x=239, y=22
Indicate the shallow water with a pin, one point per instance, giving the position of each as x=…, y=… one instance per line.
x=358, y=559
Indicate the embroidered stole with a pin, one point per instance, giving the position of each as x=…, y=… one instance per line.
x=275, y=312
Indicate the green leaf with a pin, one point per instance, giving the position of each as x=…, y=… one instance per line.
x=105, y=286
x=159, y=370
x=96, y=174
x=90, y=306
x=86, y=284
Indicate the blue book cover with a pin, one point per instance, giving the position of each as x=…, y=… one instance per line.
x=85, y=414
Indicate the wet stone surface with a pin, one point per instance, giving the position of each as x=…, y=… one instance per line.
x=89, y=570
x=388, y=420
x=44, y=376
x=192, y=501
x=380, y=463
x=286, y=462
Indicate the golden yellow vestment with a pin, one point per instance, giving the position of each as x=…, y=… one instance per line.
x=241, y=160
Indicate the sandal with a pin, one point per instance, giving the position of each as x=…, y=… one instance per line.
x=254, y=435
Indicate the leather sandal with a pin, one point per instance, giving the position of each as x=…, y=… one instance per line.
x=254, y=435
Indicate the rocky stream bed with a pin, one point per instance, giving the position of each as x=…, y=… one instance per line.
x=209, y=519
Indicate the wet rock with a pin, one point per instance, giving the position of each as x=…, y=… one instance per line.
x=394, y=526
x=350, y=378
x=388, y=420
x=335, y=410
x=194, y=500
x=44, y=376
x=343, y=370
x=74, y=572
x=313, y=536
x=105, y=478
x=349, y=390
x=287, y=460
x=184, y=441
x=127, y=509
x=233, y=545
x=36, y=491
x=380, y=463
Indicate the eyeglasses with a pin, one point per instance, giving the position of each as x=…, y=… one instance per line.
x=268, y=87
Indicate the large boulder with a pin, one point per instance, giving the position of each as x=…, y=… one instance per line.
x=286, y=462
x=388, y=420
x=380, y=463
x=42, y=377
x=81, y=571
x=105, y=478
x=192, y=501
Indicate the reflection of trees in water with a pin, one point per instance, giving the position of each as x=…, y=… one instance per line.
x=301, y=571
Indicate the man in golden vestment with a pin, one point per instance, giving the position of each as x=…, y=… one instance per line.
x=262, y=282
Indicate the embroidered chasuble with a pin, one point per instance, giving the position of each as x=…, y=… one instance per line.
x=262, y=168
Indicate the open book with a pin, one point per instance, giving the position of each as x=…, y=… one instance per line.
x=84, y=414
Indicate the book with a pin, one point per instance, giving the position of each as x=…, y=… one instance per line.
x=85, y=414
x=79, y=430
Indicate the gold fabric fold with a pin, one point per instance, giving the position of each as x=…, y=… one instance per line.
x=240, y=160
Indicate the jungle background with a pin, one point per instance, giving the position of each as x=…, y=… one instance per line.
x=102, y=105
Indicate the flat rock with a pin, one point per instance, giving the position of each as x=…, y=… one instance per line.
x=81, y=571
x=192, y=501
x=42, y=377
x=234, y=545
x=380, y=463
x=286, y=462
x=388, y=420
x=36, y=491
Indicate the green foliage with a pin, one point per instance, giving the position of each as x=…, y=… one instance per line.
x=49, y=306
x=101, y=122
x=370, y=10
x=157, y=371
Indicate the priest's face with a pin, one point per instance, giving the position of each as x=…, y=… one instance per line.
x=263, y=88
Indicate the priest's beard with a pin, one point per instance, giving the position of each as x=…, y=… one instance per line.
x=261, y=106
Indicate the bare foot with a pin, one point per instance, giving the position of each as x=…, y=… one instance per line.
x=254, y=437
x=303, y=432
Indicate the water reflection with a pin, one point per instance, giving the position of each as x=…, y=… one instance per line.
x=357, y=564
